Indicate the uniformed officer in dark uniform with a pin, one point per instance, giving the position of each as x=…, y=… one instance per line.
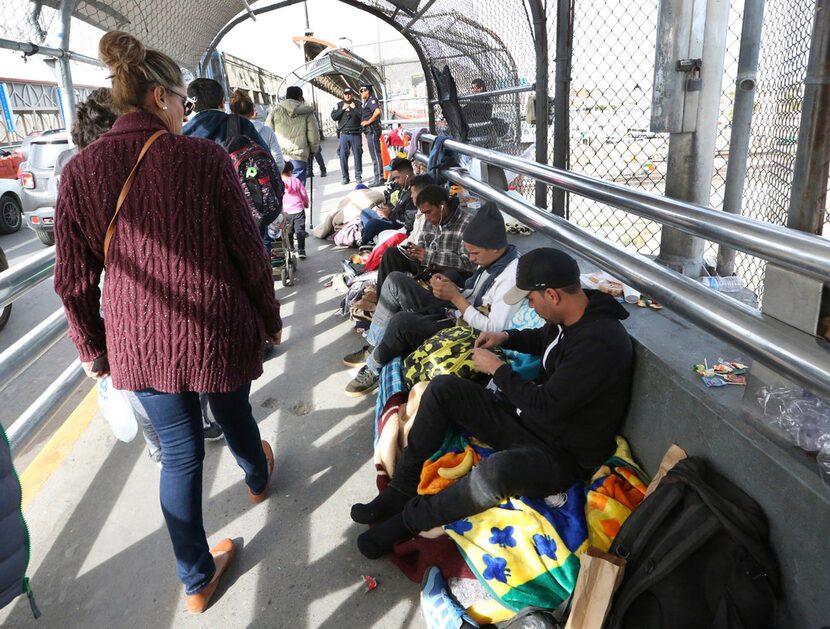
x=370, y=121
x=349, y=115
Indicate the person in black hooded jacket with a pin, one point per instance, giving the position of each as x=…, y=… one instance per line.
x=547, y=433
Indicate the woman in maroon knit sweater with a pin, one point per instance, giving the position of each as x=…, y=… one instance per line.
x=188, y=299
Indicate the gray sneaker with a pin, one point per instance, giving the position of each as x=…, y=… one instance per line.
x=363, y=384
x=358, y=358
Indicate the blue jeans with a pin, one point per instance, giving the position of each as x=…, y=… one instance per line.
x=177, y=419
x=351, y=143
x=373, y=140
x=375, y=226
x=300, y=169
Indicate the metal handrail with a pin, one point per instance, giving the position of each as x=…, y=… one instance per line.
x=14, y=283
x=45, y=406
x=21, y=278
x=805, y=358
x=28, y=348
x=798, y=251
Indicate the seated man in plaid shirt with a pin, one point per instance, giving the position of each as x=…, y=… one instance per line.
x=439, y=247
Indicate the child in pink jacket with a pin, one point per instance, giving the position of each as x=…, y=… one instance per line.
x=294, y=203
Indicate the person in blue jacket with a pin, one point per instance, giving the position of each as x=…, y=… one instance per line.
x=211, y=121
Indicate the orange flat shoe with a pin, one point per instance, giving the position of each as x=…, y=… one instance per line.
x=269, y=456
x=223, y=554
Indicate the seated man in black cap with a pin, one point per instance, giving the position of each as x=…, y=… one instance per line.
x=423, y=313
x=547, y=434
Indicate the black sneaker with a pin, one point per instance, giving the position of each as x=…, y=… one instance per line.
x=358, y=358
x=213, y=431
x=363, y=383
x=301, y=254
x=358, y=179
x=323, y=173
x=345, y=182
x=376, y=183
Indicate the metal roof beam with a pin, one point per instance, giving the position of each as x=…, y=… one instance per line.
x=418, y=16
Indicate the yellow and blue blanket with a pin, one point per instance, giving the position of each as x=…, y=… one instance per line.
x=526, y=551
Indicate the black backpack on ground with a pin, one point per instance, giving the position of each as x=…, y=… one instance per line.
x=261, y=183
x=697, y=555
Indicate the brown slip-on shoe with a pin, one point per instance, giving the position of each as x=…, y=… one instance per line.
x=223, y=554
x=269, y=456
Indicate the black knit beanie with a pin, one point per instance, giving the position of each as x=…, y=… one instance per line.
x=486, y=229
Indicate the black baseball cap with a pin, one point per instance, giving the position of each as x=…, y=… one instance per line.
x=348, y=90
x=542, y=268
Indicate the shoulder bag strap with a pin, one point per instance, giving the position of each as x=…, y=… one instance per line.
x=125, y=190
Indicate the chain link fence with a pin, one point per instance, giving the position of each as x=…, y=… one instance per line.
x=610, y=89
x=478, y=40
x=610, y=108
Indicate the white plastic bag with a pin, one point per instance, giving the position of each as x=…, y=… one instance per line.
x=117, y=411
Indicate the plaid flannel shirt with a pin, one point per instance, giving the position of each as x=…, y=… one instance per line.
x=443, y=243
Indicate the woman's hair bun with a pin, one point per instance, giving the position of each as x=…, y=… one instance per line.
x=120, y=50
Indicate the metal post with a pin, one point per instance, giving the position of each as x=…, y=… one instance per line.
x=809, y=191
x=65, y=72
x=561, y=99
x=692, y=155
x=540, y=34
x=745, y=82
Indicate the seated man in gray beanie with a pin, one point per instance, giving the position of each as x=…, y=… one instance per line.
x=422, y=313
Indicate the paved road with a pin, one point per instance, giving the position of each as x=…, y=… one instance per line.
x=27, y=312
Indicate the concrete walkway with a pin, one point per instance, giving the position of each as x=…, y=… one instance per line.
x=101, y=556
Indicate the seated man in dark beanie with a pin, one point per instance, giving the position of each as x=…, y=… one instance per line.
x=423, y=312
x=547, y=434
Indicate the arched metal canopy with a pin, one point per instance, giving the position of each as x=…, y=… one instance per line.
x=341, y=67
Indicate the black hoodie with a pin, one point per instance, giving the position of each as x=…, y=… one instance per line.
x=580, y=398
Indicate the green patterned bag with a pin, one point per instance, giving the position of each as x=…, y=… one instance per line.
x=450, y=351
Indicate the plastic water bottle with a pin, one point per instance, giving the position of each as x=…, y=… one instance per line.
x=731, y=284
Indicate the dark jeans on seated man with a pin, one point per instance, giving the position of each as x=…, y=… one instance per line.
x=401, y=293
x=373, y=224
x=524, y=465
x=404, y=333
x=395, y=260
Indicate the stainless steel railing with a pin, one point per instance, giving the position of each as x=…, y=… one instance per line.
x=14, y=283
x=25, y=276
x=798, y=251
x=800, y=356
